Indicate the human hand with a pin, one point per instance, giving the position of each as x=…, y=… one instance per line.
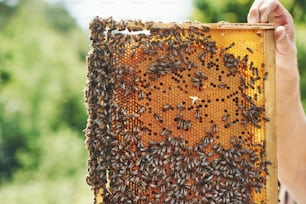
x=290, y=117
x=289, y=109
x=284, y=30
x=285, y=54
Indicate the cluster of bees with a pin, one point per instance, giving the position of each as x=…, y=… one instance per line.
x=173, y=116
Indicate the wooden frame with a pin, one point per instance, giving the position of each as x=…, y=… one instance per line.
x=117, y=62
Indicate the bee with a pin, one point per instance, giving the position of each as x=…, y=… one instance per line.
x=167, y=107
x=201, y=75
x=229, y=124
x=265, y=76
x=256, y=72
x=222, y=85
x=228, y=47
x=250, y=50
x=262, y=65
x=133, y=53
x=149, y=25
x=231, y=45
x=215, y=128
x=202, y=55
x=186, y=124
x=225, y=117
x=245, y=58
x=198, y=114
x=157, y=117
x=259, y=89
x=196, y=82
x=141, y=109
x=266, y=119
x=180, y=106
x=165, y=131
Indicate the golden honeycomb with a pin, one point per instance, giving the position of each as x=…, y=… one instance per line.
x=181, y=113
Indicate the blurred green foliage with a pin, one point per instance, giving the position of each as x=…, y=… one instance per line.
x=237, y=10
x=42, y=112
x=221, y=10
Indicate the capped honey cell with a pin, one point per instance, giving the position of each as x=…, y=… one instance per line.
x=181, y=113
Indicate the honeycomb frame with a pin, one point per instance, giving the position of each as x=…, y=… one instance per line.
x=181, y=112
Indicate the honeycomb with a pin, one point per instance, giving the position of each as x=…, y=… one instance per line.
x=181, y=113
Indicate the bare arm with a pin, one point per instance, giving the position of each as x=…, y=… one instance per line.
x=291, y=120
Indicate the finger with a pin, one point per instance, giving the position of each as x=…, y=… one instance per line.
x=269, y=8
x=253, y=15
x=280, y=34
x=278, y=9
x=287, y=23
x=281, y=39
x=262, y=9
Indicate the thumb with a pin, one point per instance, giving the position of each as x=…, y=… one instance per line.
x=282, y=40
